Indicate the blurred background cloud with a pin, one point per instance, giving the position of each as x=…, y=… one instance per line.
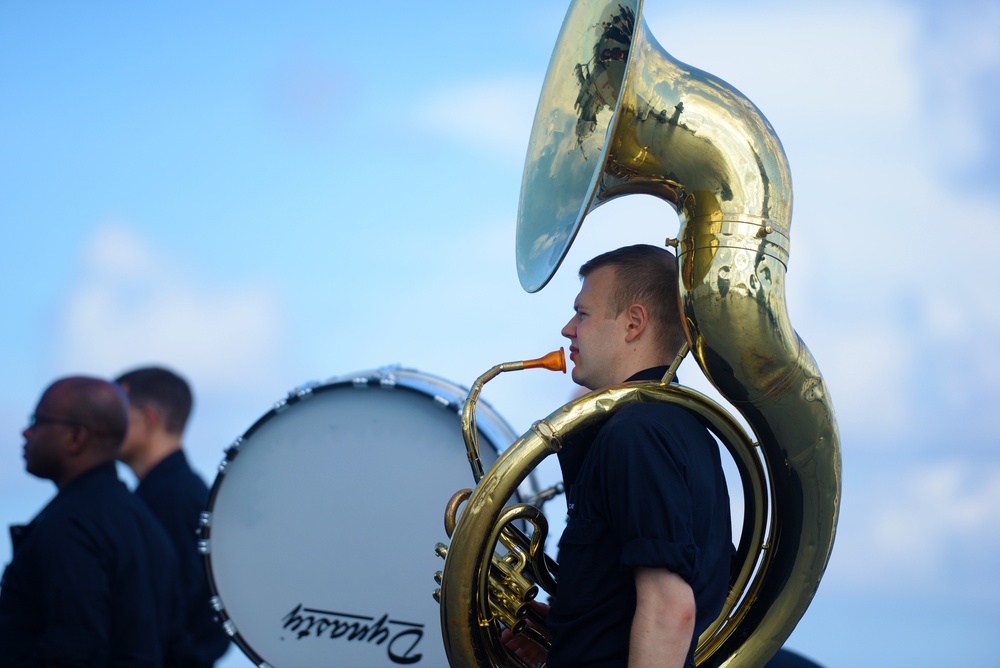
x=504, y=108
x=132, y=305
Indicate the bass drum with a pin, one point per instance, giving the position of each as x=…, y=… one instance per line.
x=321, y=524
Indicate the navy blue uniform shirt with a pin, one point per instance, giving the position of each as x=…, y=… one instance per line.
x=649, y=491
x=92, y=582
x=177, y=496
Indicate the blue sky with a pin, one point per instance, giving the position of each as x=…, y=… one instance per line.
x=261, y=197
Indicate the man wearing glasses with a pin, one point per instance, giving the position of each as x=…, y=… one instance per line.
x=91, y=580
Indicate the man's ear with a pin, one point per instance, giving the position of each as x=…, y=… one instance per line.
x=151, y=416
x=637, y=320
x=77, y=441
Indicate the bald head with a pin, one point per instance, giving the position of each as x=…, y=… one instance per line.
x=79, y=424
x=98, y=405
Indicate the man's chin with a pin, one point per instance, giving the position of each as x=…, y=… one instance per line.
x=579, y=379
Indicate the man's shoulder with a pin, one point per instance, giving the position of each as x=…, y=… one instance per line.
x=100, y=513
x=647, y=423
x=173, y=476
x=95, y=492
x=653, y=414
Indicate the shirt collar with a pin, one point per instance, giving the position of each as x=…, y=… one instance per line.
x=654, y=373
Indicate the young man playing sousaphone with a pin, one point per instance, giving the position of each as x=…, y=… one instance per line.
x=645, y=556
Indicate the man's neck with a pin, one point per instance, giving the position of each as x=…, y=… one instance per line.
x=161, y=447
x=640, y=365
x=79, y=468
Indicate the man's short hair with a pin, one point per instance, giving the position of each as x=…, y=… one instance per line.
x=165, y=390
x=645, y=275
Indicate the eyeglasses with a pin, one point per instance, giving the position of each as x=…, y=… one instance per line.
x=39, y=420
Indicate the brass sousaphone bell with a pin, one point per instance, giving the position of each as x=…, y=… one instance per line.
x=618, y=115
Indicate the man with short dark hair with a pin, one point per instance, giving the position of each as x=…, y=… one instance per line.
x=160, y=403
x=91, y=580
x=645, y=556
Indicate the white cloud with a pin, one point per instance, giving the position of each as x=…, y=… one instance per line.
x=896, y=300
x=492, y=115
x=849, y=61
x=937, y=524
x=134, y=305
x=962, y=61
x=867, y=369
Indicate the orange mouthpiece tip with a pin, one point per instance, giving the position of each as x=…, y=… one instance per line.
x=554, y=361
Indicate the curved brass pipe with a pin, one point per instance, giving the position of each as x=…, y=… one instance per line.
x=471, y=622
x=553, y=361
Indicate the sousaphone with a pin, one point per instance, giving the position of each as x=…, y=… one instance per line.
x=618, y=115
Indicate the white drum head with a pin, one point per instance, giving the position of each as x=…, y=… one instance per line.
x=320, y=532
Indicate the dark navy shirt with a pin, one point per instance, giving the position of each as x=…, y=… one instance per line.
x=177, y=496
x=648, y=491
x=92, y=582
